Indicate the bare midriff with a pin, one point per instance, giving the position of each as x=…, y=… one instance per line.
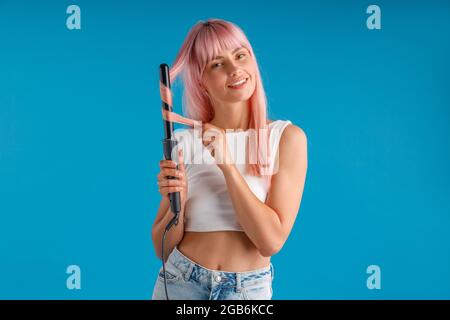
x=229, y=251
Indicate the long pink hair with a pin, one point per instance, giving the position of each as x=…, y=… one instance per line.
x=205, y=41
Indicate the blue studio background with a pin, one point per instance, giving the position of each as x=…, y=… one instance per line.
x=80, y=131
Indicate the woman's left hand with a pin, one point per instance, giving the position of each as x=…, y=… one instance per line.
x=215, y=140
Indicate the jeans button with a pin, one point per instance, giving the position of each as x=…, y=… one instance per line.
x=218, y=278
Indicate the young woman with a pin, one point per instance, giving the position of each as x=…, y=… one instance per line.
x=234, y=216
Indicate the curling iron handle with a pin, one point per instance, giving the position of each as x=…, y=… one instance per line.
x=175, y=199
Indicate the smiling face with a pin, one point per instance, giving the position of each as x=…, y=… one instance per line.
x=228, y=68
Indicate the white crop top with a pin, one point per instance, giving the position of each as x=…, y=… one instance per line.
x=208, y=204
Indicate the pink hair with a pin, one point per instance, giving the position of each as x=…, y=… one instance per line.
x=205, y=41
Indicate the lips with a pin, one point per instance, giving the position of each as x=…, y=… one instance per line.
x=239, y=81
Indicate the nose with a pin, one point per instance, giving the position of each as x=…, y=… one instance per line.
x=235, y=72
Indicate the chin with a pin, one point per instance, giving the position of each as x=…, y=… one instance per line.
x=241, y=96
x=238, y=99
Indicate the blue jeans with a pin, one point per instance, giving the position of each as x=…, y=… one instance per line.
x=187, y=280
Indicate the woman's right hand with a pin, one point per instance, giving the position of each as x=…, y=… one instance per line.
x=166, y=186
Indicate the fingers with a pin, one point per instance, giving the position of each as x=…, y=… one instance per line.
x=167, y=164
x=171, y=183
x=172, y=177
x=166, y=173
x=166, y=185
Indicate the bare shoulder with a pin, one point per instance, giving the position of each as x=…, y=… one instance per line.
x=293, y=136
x=293, y=149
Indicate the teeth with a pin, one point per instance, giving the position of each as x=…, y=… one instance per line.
x=238, y=83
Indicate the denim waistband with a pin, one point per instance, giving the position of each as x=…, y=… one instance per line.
x=192, y=270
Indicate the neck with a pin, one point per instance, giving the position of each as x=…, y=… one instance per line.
x=232, y=115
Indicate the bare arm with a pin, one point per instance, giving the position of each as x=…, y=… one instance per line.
x=164, y=215
x=173, y=236
x=268, y=224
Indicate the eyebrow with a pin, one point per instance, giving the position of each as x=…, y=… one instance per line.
x=235, y=50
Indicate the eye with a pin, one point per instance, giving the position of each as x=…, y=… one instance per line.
x=215, y=65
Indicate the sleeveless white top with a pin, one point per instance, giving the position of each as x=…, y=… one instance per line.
x=208, y=204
